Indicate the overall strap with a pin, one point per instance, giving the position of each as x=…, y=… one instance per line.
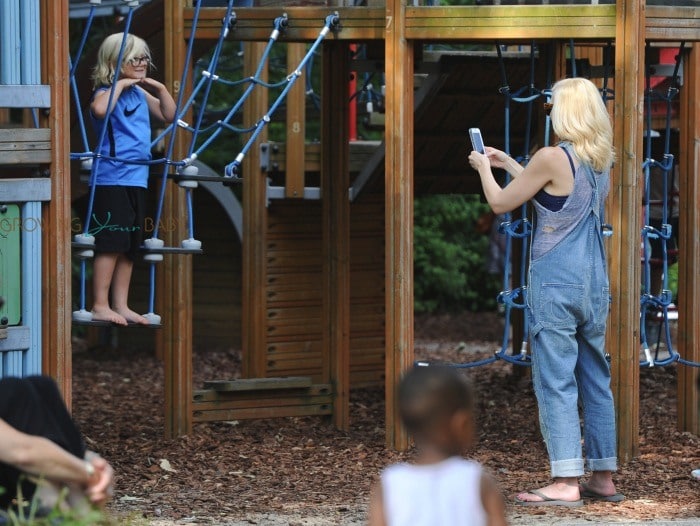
x=597, y=206
x=571, y=159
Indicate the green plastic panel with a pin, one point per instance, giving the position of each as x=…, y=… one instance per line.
x=10, y=284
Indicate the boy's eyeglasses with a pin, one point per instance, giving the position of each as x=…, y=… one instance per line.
x=137, y=61
x=548, y=108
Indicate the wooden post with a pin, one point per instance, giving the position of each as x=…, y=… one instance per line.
x=625, y=206
x=296, y=128
x=689, y=245
x=176, y=270
x=254, y=243
x=399, y=213
x=335, y=187
x=56, y=257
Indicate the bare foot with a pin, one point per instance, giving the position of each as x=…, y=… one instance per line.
x=132, y=317
x=564, y=491
x=600, y=483
x=107, y=314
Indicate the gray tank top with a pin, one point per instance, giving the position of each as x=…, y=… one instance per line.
x=552, y=227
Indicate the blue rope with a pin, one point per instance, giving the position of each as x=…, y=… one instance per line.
x=178, y=114
x=73, y=64
x=228, y=19
x=233, y=169
x=280, y=25
x=658, y=304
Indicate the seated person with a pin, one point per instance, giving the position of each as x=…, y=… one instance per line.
x=42, y=445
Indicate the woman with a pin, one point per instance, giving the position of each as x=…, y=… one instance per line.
x=568, y=294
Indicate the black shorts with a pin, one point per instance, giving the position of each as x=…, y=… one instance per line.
x=671, y=242
x=117, y=221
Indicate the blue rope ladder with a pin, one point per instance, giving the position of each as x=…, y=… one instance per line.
x=658, y=305
x=517, y=225
x=185, y=173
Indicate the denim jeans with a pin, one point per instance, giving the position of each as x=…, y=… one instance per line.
x=568, y=302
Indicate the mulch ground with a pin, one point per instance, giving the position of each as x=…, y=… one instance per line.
x=231, y=469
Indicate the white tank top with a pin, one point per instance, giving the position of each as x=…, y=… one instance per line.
x=444, y=494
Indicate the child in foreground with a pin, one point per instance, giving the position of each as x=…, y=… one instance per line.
x=441, y=488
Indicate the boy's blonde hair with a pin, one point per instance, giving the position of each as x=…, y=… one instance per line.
x=580, y=117
x=106, y=68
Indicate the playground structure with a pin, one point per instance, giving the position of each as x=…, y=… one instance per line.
x=327, y=283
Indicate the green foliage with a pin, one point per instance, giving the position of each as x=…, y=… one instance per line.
x=450, y=271
x=30, y=513
x=673, y=280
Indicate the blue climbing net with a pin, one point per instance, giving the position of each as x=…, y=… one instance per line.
x=517, y=226
x=183, y=171
x=657, y=306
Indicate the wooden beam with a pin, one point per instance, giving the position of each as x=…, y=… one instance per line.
x=175, y=294
x=254, y=243
x=672, y=23
x=510, y=22
x=399, y=213
x=689, y=245
x=26, y=146
x=56, y=257
x=296, y=127
x=625, y=206
x=305, y=23
x=335, y=187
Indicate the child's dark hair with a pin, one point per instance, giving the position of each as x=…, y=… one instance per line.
x=427, y=395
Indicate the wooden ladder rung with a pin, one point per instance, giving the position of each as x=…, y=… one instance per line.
x=259, y=384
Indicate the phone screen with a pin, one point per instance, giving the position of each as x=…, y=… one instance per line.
x=477, y=141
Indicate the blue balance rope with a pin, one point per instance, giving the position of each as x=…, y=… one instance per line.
x=233, y=169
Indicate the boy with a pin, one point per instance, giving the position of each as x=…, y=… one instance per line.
x=437, y=407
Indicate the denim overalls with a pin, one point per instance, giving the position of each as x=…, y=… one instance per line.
x=568, y=301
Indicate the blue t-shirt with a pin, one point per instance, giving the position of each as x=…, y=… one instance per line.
x=128, y=137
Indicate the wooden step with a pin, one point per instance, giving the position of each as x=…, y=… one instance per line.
x=259, y=384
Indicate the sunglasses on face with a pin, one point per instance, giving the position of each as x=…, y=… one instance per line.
x=137, y=61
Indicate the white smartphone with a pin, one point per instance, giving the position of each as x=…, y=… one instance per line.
x=477, y=140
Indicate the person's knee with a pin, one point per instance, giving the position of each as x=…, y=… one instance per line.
x=45, y=386
x=15, y=389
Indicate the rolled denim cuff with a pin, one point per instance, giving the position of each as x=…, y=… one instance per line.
x=567, y=468
x=602, y=464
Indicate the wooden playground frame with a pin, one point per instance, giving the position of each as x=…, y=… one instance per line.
x=627, y=24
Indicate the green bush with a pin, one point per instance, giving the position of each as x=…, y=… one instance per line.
x=673, y=280
x=449, y=264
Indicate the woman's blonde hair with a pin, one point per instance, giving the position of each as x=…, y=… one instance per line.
x=580, y=117
x=106, y=67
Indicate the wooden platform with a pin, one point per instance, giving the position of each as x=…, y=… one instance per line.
x=261, y=398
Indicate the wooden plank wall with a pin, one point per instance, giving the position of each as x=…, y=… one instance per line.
x=294, y=289
x=216, y=309
x=294, y=297
x=367, y=291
